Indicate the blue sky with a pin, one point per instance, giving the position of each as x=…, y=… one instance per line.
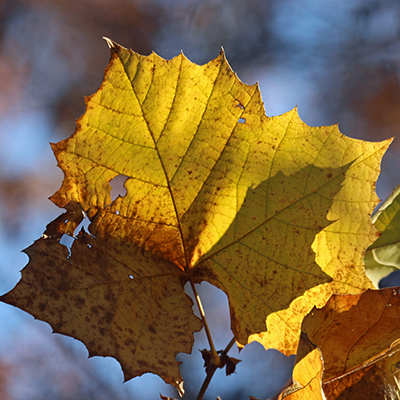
x=28, y=126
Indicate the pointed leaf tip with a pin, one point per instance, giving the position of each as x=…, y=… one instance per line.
x=110, y=43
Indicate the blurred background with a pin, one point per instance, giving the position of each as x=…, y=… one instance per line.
x=339, y=61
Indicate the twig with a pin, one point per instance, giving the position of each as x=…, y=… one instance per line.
x=215, y=360
x=211, y=372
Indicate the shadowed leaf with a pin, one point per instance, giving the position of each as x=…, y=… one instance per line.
x=378, y=380
x=340, y=246
x=272, y=211
x=383, y=256
x=117, y=300
x=351, y=330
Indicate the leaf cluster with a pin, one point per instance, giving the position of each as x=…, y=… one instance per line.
x=272, y=211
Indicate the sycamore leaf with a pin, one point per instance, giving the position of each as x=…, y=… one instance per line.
x=358, y=336
x=307, y=373
x=306, y=380
x=378, y=380
x=387, y=221
x=375, y=270
x=352, y=330
x=272, y=211
x=383, y=256
x=103, y=294
x=340, y=247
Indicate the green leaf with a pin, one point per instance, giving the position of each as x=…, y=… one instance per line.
x=383, y=256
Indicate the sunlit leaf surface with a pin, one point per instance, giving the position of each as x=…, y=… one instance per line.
x=270, y=210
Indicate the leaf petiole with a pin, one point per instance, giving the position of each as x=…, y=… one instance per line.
x=215, y=359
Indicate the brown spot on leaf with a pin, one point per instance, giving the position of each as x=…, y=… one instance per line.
x=79, y=302
x=142, y=363
x=109, y=317
x=152, y=329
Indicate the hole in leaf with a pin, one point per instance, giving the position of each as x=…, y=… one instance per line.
x=118, y=186
x=67, y=241
x=130, y=276
x=84, y=225
x=240, y=105
x=242, y=120
x=82, y=230
x=117, y=212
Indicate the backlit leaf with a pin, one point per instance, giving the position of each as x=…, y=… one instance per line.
x=340, y=247
x=378, y=380
x=352, y=330
x=306, y=380
x=270, y=210
x=307, y=374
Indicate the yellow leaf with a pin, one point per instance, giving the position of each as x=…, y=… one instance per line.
x=340, y=247
x=307, y=374
x=306, y=381
x=272, y=211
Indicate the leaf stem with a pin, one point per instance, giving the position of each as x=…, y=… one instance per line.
x=215, y=359
x=211, y=372
x=229, y=346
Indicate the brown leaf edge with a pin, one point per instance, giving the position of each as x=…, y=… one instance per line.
x=390, y=308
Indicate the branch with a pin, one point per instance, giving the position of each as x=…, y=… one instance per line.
x=211, y=372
